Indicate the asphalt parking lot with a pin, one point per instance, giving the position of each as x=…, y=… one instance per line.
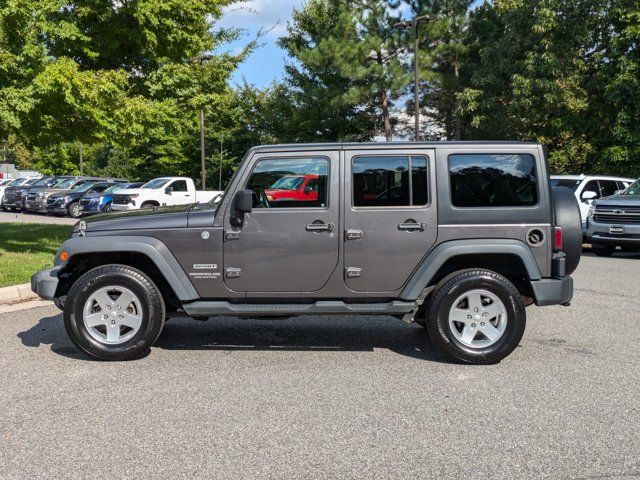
x=332, y=397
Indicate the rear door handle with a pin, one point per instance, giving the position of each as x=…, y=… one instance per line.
x=412, y=226
x=320, y=227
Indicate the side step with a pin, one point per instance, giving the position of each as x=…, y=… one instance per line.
x=328, y=307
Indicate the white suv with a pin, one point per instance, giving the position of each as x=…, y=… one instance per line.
x=588, y=188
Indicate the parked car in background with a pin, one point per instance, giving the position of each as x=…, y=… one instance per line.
x=294, y=187
x=68, y=203
x=19, y=182
x=160, y=192
x=615, y=222
x=4, y=183
x=36, y=201
x=100, y=202
x=14, y=197
x=588, y=188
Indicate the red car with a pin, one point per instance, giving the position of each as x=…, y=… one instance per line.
x=294, y=187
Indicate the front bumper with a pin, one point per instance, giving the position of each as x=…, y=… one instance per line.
x=118, y=207
x=600, y=233
x=92, y=208
x=45, y=283
x=36, y=206
x=57, y=209
x=552, y=291
x=13, y=202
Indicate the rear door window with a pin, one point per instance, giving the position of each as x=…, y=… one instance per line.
x=493, y=180
x=390, y=181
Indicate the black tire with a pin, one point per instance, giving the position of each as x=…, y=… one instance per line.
x=602, y=250
x=567, y=216
x=441, y=301
x=152, y=303
x=73, y=210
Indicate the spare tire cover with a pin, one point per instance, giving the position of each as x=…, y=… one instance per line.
x=567, y=216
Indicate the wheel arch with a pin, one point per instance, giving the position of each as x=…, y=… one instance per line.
x=147, y=254
x=510, y=258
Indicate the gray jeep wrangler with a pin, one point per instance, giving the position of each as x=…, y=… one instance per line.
x=457, y=237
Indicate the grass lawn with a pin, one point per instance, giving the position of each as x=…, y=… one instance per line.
x=27, y=247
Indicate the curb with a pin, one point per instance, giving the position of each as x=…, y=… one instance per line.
x=16, y=294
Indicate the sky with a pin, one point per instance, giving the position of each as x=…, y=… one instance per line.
x=266, y=63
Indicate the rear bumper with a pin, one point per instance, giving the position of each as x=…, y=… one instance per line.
x=552, y=291
x=45, y=283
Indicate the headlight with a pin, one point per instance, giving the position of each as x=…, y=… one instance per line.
x=592, y=209
x=98, y=200
x=40, y=195
x=135, y=195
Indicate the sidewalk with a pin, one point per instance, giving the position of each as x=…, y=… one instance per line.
x=6, y=217
x=16, y=293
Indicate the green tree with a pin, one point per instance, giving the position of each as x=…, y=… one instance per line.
x=563, y=73
x=347, y=72
x=443, y=55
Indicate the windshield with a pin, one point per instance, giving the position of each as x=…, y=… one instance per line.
x=66, y=183
x=17, y=182
x=633, y=189
x=31, y=181
x=288, y=183
x=112, y=188
x=5, y=182
x=565, y=182
x=41, y=182
x=157, y=183
x=83, y=187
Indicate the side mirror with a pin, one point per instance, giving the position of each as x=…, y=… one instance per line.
x=588, y=195
x=168, y=190
x=308, y=189
x=243, y=201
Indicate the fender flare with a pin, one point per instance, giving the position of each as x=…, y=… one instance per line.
x=455, y=248
x=153, y=248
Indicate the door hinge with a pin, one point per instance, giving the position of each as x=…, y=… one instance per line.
x=351, y=234
x=353, y=272
x=232, y=234
x=232, y=272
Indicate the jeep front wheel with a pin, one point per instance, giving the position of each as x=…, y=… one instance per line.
x=114, y=312
x=476, y=316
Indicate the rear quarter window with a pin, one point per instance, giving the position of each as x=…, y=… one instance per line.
x=493, y=180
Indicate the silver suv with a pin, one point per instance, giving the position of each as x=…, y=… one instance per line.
x=457, y=237
x=615, y=221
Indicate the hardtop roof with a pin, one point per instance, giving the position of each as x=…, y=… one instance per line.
x=385, y=145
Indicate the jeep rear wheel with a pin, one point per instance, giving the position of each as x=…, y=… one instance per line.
x=114, y=312
x=476, y=316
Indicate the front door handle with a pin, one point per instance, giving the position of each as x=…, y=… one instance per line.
x=412, y=226
x=320, y=227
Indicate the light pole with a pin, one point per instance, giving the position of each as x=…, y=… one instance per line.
x=413, y=24
x=203, y=168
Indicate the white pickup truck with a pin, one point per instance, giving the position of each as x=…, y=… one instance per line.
x=161, y=192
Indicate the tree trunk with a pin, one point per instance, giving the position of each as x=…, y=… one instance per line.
x=456, y=118
x=388, y=129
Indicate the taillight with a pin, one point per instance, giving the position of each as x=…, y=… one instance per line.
x=557, y=244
